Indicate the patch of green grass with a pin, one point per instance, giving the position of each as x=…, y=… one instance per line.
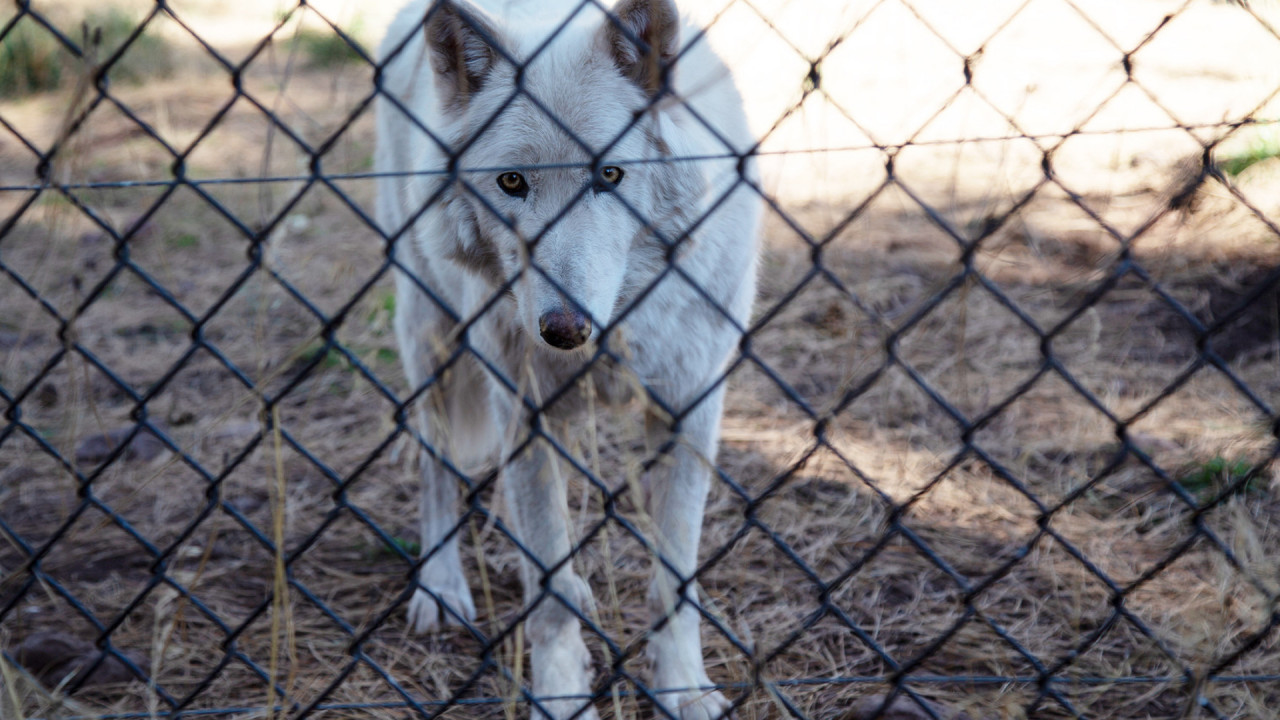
x=409, y=547
x=52, y=198
x=31, y=60
x=1263, y=147
x=184, y=241
x=324, y=49
x=147, y=56
x=1218, y=474
x=382, y=314
x=334, y=359
x=386, y=305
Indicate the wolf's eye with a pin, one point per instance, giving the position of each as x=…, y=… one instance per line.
x=513, y=183
x=610, y=176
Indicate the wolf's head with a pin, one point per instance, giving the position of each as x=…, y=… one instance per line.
x=553, y=135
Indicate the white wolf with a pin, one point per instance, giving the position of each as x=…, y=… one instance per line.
x=571, y=194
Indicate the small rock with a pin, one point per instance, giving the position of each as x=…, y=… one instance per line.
x=96, y=448
x=1154, y=444
x=47, y=395
x=246, y=504
x=236, y=431
x=298, y=222
x=53, y=656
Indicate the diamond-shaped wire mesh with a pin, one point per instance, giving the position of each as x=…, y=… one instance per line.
x=998, y=438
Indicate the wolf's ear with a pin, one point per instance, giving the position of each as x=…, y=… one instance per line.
x=643, y=36
x=462, y=50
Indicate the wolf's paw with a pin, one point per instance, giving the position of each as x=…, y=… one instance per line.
x=564, y=710
x=561, y=670
x=697, y=705
x=427, y=615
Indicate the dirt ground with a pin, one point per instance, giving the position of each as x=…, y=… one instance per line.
x=983, y=447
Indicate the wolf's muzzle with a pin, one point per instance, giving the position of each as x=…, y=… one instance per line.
x=564, y=329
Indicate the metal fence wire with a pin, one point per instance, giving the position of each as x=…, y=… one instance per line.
x=998, y=439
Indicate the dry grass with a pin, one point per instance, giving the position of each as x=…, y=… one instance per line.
x=866, y=540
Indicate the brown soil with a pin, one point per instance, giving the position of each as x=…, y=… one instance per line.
x=910, y=485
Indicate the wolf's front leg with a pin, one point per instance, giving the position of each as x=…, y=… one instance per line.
x=535, y=498
x=678, y=497
x=442, y=596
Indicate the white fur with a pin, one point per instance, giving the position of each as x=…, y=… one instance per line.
x=465, y=237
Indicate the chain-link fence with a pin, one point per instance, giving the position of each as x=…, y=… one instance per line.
x=998, y=437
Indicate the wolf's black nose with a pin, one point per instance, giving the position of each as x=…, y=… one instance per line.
x=564, y=329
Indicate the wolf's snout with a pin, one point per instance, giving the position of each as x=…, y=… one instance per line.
x=564, y=329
